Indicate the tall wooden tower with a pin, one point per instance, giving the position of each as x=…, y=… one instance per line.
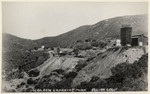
x=125, y=35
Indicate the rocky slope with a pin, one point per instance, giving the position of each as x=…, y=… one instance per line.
x=64, y=63
x=102, y=64
x=61, y=72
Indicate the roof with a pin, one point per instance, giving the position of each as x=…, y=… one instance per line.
x=136, y=36
x=126, y=25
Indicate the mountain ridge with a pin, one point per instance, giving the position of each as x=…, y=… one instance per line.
x=99, y=31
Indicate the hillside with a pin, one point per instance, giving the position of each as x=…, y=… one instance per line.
x=125, y=77
x=123, y=68
x=10, y=41
x=102, y=64
x=108, y=28
x=87, y=58
x=15, y=53
x=101, y=30
x=14, y=48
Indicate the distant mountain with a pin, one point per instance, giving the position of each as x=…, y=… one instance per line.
x=11, y=41
x=12, y=48
x=109, y=28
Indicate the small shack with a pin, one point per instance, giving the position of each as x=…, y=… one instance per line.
x=139, y=40
x=118, y=42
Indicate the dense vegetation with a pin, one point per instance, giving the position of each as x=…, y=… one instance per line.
x=33, y=59
x=88, y=44
x=16, y=55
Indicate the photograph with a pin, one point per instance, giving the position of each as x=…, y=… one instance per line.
x=74, y=46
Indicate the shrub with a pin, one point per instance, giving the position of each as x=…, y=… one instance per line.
x=29, y=90
x=52, y=48
x=114, y=49
x=43, y=85
x=59, y=71
x=104, y=56
x=90, y=58
x=80, y=56
x=98, y=44
x=11, y=90
x=86, y=85
x=83, y=46
x=64, y=84
x=99, y=54
x=95, y=44
x=76, y=51
x=14, y=74
x=22, y=83
x=35, y=48
x=94, y=78
x=143, y=61
x=34, y=73
x=93, y=40
x=30, y=81
x=18, y=86
x=80, y=65
x=88, y=40
x=79, y=41
x=120, y=69
x=71, y=75
x=27, y=86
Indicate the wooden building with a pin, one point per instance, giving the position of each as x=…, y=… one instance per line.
x=139, y=40
x=125, y=35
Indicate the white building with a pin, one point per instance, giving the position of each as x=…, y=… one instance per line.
x=118, y=42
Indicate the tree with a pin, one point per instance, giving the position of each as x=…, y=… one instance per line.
x=52, y=48
x=88, y=40
x=79, y=41
x=58, y=50
x=71, y=75
x=30, y=81
x=76, y=51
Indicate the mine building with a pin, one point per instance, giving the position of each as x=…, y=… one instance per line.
x=125, y=35
x=118, y=42
x=139, y=40
x=128, y=40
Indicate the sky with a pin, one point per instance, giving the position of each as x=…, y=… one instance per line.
x=35, y=20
